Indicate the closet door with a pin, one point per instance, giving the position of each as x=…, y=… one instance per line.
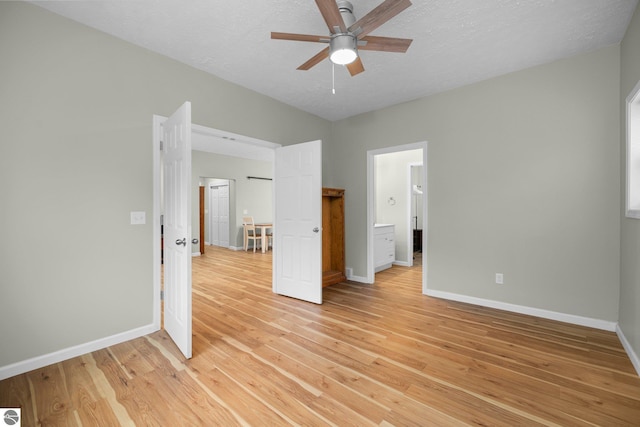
x=215, y=216
x=219, y=213
x=223, y=216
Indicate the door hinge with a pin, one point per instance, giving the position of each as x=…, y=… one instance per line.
x=161, y=145
x=161, y=295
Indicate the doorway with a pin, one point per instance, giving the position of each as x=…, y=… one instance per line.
x=390, y=201
x=203, y=139
x=416, y=215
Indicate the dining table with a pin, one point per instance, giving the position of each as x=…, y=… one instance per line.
x=263, y=227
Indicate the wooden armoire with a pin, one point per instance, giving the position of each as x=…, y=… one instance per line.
x=333, y=265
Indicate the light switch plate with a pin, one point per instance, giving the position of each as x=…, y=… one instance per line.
x=138, y=218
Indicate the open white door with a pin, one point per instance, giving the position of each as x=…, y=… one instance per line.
x=298, y=219
x=177, y=227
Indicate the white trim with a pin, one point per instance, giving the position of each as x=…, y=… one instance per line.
x=632, y=128
x=68, y=353
x=157, y=211
x=635, y=360
x=239, y=139
x=532, y=311
x=359, y=279
x=370, y=278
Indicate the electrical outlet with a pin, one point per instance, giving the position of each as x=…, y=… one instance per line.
x=499, y=279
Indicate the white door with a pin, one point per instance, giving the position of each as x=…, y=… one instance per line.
x=177, y=227
x=219, y=213
x=215, y=216
x=223, y=216
x=298, y=221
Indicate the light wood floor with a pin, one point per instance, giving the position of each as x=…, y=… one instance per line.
x=370, y=355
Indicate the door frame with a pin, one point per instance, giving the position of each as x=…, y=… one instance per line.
x=158, y=120
x=371, y=205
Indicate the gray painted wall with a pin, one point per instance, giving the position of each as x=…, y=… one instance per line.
x=523, y=179
x=629, y=321
x=76, y=158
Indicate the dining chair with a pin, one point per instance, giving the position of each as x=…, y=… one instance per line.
x=250, y=233
x=269, y=238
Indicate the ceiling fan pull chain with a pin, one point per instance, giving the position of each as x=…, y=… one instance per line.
x=333, y=78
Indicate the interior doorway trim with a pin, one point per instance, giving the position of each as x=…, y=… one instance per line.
x=253, y=147
x=371, y=205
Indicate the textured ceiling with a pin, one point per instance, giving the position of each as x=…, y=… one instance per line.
x=456, y=42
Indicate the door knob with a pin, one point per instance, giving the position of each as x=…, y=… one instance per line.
x=194, y=241
x=182, y=242
x=316, y=229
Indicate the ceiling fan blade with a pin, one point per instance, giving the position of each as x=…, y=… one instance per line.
x=331, y=14
x=355, y=67
x=378, y=16
x=385, y=44
x=300, y=37
x=323, y=54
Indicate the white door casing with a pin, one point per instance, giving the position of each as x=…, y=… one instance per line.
x=219, y=215
x=298, y=221
x=177, y=227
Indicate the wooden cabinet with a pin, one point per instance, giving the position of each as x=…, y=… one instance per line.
x=333, y=267
x=384, y=246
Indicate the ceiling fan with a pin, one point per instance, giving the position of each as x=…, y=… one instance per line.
x=347, y=35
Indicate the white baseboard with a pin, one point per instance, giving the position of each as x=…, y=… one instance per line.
x=635, y=360
x=194, y=254
x=360, y=279
x=538, y=312
x=68, y=353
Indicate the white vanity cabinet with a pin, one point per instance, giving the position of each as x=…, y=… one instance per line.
x=384, y=246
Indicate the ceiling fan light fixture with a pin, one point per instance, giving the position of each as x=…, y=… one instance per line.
x=343, y=49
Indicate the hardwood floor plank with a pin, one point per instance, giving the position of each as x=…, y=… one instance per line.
x=381, y=354
x=253, y=411
x=280, y=394
x=303, y=366
x=15, y=392
x=51, y=402
x=90, y=406
x=104, y=389
x=139, y=400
